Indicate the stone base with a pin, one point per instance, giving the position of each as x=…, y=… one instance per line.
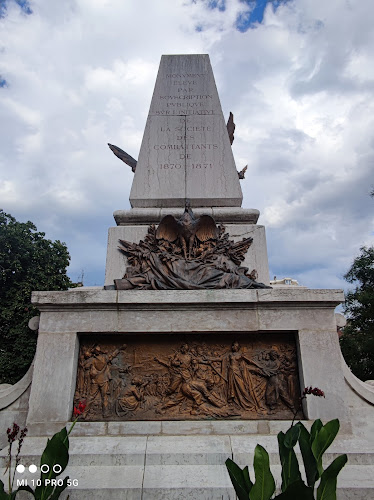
x=185, y=459
x=308, y=314
x=179, y=466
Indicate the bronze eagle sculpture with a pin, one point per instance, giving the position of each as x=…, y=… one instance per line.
x=187, y=229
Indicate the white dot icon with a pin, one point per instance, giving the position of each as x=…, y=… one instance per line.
x=20, y=468
x=33, y=468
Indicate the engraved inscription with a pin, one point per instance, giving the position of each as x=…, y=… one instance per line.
x=156, y=377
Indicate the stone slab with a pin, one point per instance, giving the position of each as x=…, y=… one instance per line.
x=146, y=216
x=121, y=482
x=193, y=482
x=188, y=481
x=188, y=450
x=52, y=389
x=80, y=297
x=12, y=393
x=185, y=152
x=89, y=451
x=210, y=427
x=135, y=428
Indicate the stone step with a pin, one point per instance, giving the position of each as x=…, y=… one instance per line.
x=179, y=467
x=179, y=482
x=180, y=450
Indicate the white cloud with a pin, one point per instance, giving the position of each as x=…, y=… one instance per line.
x=81, y=74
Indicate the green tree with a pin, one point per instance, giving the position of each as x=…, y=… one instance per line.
x=357, y=341
x=28, y=261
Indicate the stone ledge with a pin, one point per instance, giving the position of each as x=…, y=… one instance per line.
x=147, y=216
x=210, y=298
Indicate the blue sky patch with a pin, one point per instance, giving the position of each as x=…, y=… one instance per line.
x=3, y=82
x=217, y=4
x=24, y=4
x=256, y=15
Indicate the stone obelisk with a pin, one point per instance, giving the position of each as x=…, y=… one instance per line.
x=186, y=155
x=186, y=152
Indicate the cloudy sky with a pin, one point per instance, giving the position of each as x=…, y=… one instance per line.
x=298, y=76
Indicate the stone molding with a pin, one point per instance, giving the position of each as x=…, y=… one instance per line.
x=147, y=216
x=179, y=298
x=11, y=393
x=365, y=391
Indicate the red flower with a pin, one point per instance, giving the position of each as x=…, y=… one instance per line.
x=82, y=406
x=78, y=411
x=314, y=392
x=12, y=433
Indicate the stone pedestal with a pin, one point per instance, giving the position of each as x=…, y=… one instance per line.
x=308, y=314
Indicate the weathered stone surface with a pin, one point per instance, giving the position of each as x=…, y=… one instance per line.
x=173, y=482
x=88, y=298
x=54, y=378
x=186, y=152
x=146, y=216
x=14, y=412
x=188, y=450
x=10, y=394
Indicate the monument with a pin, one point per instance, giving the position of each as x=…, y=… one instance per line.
x=186, y=356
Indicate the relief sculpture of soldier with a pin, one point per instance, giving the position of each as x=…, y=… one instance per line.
x=196, y=380
x=97, y=365
x=186, y=385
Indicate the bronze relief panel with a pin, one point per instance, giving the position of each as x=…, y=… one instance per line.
x=188, y=377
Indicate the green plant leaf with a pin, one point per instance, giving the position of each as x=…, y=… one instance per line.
x=291, y=437
x=317, y=425
x=290, y=465
x=59, y=489
x=240, y=479
x=327, y=487
x=247, y=479
x=264, y=485
x=310, y=463
x=56, y=452
x=322, y=441
x=296, y=491
x=3, y=495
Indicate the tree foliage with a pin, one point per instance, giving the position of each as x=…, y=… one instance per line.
x=357, y=342
x=28, y=261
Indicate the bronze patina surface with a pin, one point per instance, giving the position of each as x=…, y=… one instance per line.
x=188, y=377
x=189, y=253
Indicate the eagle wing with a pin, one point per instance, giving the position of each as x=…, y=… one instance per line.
x=167, y=229
x=231, y=127
x=206, y=228
x=242, y=172
x=125, y=157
